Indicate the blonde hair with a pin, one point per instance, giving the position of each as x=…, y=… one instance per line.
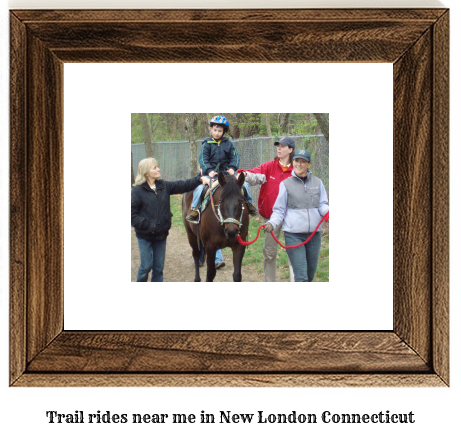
x=144, y=167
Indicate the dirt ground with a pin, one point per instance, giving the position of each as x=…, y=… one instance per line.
x=179, y=264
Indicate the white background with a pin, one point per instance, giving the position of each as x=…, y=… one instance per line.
x=436, y=411
x=97, y=221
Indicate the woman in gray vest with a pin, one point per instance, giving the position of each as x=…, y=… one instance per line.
x=302, y=201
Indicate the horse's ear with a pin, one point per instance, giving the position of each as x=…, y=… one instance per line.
x=241, y=179
x=221, y=179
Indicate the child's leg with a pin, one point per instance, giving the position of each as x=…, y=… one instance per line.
x=247, y=192
x=196, y=196
x=194, y=214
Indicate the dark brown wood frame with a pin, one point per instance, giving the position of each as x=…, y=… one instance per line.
x=415, y=353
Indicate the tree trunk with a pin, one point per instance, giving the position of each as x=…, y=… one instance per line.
x=132, y=172
x=191, y=125
x=252, y=125
x=270, y=147
x=204, y=126
x=323, y=121
x=268, y=125
x=146, y=134
x=284, y=119
x=234, y=129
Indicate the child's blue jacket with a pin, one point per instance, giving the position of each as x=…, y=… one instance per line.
x=213, y=153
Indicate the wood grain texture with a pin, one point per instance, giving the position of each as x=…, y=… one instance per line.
x=359, y=41
x=227, y=352
x=415, y=353
x=18, y=211
x=162, y=36
x=213, y=15
x=44, y=196
x=413, y=196
x=440, y=189
x=230, y=380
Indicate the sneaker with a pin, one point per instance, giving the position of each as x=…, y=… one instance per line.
x=193, y=216
x=252, y=210
x=220, y=264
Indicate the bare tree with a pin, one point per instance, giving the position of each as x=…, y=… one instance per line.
x=268, y=125
x=252, y=123
x=270, y=148
x=323, y=121
x=204, y=125
x=234, y=129
x=284, y=119
x=146, y=134
x=191, y=126
x=132, y=172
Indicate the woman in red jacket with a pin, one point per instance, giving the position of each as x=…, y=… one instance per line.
x=270, y=175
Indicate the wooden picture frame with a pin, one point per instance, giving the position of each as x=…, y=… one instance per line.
x=414, y=353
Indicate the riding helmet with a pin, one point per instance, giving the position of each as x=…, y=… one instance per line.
x=221, y=121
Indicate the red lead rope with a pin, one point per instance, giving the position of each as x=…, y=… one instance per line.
x=324, y=218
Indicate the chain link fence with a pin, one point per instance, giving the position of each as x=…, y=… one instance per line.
x=174, y=156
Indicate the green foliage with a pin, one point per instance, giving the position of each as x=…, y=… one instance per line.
x=303, y=125
x=299, y=124
x=171, y=127
x=323, y=267
x=136, y=129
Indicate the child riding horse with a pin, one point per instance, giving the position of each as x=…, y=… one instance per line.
x=222, y=221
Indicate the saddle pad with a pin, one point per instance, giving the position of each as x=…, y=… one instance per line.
x=206, y=200
x=214, y=185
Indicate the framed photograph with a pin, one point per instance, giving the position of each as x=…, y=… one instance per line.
x=414, y=353
x=180, y=142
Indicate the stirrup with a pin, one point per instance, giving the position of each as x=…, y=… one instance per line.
x=192, y=218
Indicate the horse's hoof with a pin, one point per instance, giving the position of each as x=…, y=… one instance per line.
x=197, y=280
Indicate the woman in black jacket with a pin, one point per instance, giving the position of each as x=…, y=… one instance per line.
x=151, y=215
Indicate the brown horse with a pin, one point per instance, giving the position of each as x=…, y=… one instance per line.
x=219, y=228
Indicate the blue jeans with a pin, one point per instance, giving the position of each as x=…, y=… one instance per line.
x=217, y=259
x=304, y=259
x=152, y=258
x=198, y=192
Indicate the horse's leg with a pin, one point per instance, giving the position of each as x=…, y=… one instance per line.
x=238, y=251
x=210, y=259
x=202, y=253
x=196, y=256
x=191, y=236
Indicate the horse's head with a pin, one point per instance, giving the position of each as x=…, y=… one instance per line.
x=231, y=204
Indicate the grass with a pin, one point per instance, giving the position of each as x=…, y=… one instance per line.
x=254, y=252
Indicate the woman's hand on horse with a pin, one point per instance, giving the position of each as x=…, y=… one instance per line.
x=268, y=227
x=205, y=181
x=230, y=171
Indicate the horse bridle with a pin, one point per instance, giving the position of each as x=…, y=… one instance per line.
x=219, y=215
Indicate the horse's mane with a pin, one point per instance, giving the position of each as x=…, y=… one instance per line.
x=231, y=187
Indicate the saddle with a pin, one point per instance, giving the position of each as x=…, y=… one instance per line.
x=205, y=197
